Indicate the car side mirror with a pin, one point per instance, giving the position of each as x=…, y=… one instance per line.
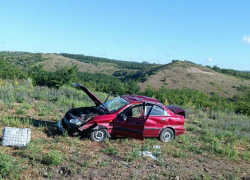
x=124, y=117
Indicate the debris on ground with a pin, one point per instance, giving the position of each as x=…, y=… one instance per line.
x=18, y=137
x=156, y=147
x=147, y=154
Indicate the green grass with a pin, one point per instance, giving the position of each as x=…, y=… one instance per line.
x=10, y=167
x=219, y=135
x=53, y=157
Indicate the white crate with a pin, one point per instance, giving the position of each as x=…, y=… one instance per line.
x=18, y=137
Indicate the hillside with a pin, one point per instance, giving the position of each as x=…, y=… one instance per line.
x=175, y=75
x=179, y=74
x=53, y=60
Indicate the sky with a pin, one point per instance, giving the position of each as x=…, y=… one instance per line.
x=211, y=32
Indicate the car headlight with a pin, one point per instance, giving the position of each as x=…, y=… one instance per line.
x=76, y=121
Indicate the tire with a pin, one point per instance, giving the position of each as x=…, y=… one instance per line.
x=166, y=135
x=98, y=135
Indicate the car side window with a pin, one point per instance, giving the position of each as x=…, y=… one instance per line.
x=135, y=112
x=156, y=111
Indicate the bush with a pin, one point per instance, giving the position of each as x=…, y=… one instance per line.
x=52, y=158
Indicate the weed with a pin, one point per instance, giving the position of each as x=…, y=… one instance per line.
x=230, y=152
x=212, y=83
x=20, y=111
x=26, y=105
x=9, y=167
x=190, y=128
x=132, y=155
x=111, y=151
x=245, y=155
x=52, y=158
x=180, y=153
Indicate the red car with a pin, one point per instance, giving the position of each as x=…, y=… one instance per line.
x=132, y=116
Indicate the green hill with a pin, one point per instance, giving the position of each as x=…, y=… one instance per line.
x=175, y=75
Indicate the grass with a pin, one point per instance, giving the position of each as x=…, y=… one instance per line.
x=10, y=167
x=212, y=139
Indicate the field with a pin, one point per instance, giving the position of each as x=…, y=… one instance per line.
x=216, y=144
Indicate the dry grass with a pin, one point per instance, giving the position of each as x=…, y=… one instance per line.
x=61, y=61
x=185, y=74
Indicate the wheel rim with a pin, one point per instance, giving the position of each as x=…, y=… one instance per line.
x=99, y=135
x=167, y=136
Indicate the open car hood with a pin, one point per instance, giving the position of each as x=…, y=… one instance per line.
x=91, y=95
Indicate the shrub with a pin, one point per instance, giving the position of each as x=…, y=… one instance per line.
x=52, y=158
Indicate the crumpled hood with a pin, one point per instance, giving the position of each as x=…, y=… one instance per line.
x=91, y=95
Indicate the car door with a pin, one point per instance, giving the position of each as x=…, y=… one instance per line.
x=130, y=122
x=157, y=118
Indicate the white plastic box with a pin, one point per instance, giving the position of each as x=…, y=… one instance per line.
x=18, y=137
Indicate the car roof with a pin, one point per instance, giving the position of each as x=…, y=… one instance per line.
x=138, y=98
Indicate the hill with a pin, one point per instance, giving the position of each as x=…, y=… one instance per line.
x=175, y=75
x=180, y=74
x=53, y=60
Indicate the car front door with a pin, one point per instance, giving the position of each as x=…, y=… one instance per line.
x=130, y=122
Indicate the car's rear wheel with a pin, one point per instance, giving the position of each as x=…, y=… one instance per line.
x=166, y=135
x=98, y=135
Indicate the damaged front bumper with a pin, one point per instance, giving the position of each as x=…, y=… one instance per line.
x=64, y=125
x=60, y=127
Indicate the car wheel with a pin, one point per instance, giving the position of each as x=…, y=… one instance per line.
x=166, y=135
x=98, y=135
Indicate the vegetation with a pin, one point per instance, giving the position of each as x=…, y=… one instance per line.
x=240, y=74
x=217, y=128
x=108, y=84
x=40, y=77
x=24, y=60
x=119, y=64
x=7, y=71
x=55, y=79
x=122, y=84
x=213, y=138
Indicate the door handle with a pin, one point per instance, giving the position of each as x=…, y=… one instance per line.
x=163, y=119
x=137, y=123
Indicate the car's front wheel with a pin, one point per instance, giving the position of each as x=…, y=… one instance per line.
x=166, y=135
x=98, y=135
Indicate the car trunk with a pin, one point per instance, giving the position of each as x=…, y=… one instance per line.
x=176, y=110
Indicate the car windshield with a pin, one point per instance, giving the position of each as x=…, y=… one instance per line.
x=115, y=104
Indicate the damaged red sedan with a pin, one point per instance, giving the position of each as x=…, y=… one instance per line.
x=132, y=116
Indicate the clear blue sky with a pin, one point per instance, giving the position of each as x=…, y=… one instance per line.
x=211, y=32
